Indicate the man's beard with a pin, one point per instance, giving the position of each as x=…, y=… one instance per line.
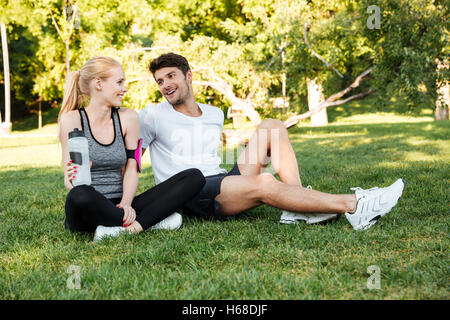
x=182, y=99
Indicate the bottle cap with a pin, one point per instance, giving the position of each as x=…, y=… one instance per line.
x=76, y=133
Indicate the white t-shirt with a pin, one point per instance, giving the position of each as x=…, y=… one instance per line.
x=178, y=142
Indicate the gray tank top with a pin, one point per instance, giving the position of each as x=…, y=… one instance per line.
x=107, y=159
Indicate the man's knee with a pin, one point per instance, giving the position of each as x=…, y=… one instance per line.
x=264, y=185
x=266, y=178
x=272, y=129
x=272, y=124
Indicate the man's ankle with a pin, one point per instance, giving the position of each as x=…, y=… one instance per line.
x=351, y=204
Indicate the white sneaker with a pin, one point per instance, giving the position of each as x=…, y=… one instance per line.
x=372, y=204
x=288, y=217
x=172, y=222
x=102, y=232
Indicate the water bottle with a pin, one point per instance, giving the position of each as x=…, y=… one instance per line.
x=79, y=154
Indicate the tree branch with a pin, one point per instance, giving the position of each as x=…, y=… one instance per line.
x=236, y=103
x=280, y=50
x=316, y=54
x=354, y=85
x=331, y=101
x=292, y=121
x=74, y=14
x=56, y=25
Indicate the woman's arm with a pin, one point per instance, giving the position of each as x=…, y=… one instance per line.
x=68, y=122
x=130, y=123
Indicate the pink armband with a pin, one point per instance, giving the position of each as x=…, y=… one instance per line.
x=136, y=154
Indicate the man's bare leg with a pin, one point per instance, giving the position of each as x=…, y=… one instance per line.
x=270, y=139
x=240, y=193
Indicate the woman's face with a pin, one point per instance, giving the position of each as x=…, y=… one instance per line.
x=112, y=89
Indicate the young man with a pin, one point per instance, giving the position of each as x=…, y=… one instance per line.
x=182, y=133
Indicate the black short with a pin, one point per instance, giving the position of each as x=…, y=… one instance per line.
x=204, y=205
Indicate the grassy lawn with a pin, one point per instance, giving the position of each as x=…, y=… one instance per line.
x=252, y=256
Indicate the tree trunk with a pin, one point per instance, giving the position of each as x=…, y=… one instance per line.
x=6, y=126
x=443, y=98
x=315, y=97
x=442, y=103
x=332, y=100
x=67, y=58
x=441, y=113
x=40, y=115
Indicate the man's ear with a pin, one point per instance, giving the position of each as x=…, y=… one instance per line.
x=189, y=76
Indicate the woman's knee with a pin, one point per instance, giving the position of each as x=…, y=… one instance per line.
x=190, y=178
x=80, y=195
x=196, y=178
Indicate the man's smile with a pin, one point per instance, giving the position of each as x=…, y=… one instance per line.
x=170, y=92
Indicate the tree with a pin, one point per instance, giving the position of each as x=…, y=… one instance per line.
x=5, y=127
x=100, y=25
x=315, y=45
x=69, y=20
x=409, y=43
x=443, y=98
x=242, y=51
x=215, y=64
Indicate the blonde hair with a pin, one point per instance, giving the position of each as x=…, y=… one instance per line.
x=76, y=89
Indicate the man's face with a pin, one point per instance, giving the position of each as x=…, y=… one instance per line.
x=174, y=86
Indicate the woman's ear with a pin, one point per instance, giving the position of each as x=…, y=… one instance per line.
x=97, y=83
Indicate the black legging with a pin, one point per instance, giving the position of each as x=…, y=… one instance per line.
x=86, y=208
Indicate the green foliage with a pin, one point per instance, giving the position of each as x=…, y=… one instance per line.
x=412, y=36
x=24, y=65
x=249, y=43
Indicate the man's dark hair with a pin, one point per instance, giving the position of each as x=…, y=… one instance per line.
x=169, y=60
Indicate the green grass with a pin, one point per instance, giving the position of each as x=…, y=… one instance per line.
x=252, y=256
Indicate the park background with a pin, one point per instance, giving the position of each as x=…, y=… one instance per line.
x=379, y=68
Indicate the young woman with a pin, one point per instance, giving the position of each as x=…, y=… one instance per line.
x=109, y=206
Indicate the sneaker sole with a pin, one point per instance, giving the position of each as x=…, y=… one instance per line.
x=326, y=221
x=292, y=221
x=329, y=221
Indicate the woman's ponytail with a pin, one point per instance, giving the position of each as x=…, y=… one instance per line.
x=72, y=94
